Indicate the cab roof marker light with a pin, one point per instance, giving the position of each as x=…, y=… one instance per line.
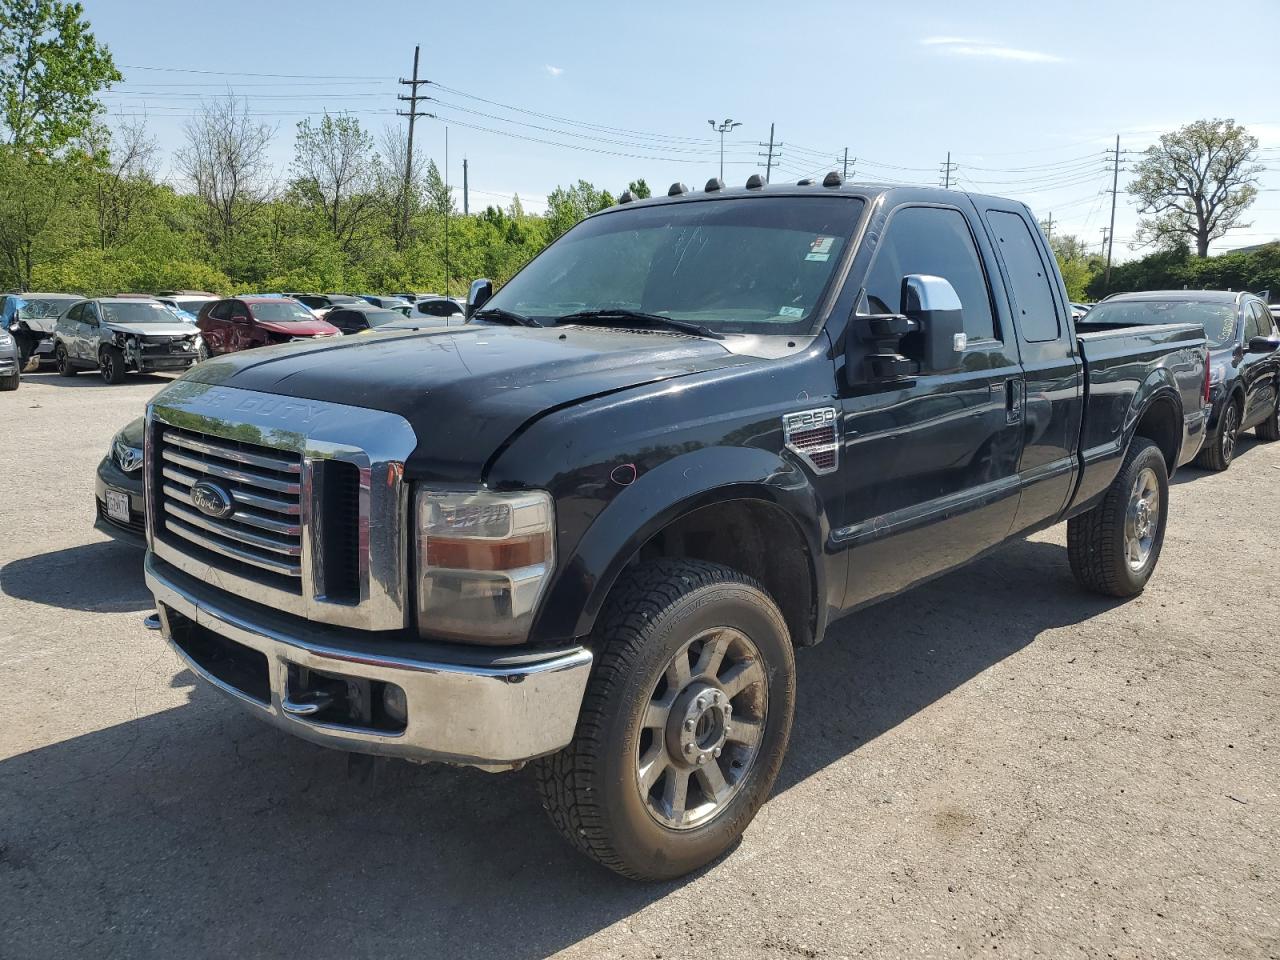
x=832, y=179
x=713, y=185
x=755, y=182
x=677, y=188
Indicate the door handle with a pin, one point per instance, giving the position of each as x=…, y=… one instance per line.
x=1014, y=395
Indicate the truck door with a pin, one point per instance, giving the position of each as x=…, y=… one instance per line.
x=1052, y=374
x=931, y=464
x=1257, y=370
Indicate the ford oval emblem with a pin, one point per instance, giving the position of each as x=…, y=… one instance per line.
x=212, y=500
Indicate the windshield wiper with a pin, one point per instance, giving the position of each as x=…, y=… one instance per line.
x=603, y=317
x=505, y=316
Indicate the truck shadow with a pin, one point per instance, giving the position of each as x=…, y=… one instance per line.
x=105, y=577
x=197, y=830
x=1246, y=444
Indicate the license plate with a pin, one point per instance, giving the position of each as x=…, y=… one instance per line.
x=118, y=506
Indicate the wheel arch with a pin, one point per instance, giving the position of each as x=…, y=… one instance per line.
x=770, y=525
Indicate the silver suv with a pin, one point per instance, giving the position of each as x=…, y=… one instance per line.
x=117, y=334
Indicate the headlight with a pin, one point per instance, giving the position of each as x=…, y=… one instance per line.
x=484, y=560
x=6, y=341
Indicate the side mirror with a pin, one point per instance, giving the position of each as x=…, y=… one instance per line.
x=478, y=295
x=1264, y=344
x=933, y=304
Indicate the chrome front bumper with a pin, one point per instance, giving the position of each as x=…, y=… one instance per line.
x=480, y=708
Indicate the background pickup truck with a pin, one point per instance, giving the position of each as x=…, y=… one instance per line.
x=589, y=528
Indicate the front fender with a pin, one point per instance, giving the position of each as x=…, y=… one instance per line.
x=656, y=498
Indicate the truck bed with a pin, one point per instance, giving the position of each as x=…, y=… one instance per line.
x=1124, y=367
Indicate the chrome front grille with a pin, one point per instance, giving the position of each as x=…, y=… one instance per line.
x=300, y=505
x=265, y=529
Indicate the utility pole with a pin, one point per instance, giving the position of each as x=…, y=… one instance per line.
x=947, y=169
x=770, y=156
x=1106, y=233
x=448, y=203
x=722, y=129
x=466, y=206
x=1111, y=233
x=412, y=113
x=845, y=174
x=1048, y=227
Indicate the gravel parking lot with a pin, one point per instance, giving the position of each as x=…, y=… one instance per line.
x=995, y=763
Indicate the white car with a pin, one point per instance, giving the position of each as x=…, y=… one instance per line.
x=115, y=335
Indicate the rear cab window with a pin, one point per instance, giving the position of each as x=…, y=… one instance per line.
x=1035, y=302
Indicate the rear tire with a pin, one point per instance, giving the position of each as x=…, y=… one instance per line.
x=1268, y=431
x=1114, y=548
x=10, y=382
x=63, y=362
x=719, y=726
x=111, y=365
x=1220, y=449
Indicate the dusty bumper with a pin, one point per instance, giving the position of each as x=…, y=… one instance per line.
x=477, y=708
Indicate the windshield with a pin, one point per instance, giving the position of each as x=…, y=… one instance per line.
x=281, y=311
x=1218, y=319
x=42, y=308
x=733, y=265
x=191, y=304
x=136, y=311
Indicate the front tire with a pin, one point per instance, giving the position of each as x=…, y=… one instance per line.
x=1220, y=449
x=10, y=382
x=111, y=365
x=1114, y=548
x=63, y=362
x=684, y=724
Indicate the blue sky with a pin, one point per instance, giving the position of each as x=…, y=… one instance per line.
x=1025, y=96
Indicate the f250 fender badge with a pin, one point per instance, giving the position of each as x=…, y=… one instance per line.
x=814, y=436
x=212, y=500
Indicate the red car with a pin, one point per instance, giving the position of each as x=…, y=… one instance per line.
x=242, y=323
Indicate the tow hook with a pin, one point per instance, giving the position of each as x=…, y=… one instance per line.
x=308, y=703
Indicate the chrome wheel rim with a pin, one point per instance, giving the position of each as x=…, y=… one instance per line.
x=104, y=367
x=702, y=728
x=1229, y=425
x=1142, y=519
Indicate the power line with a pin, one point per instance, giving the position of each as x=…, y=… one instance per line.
x=243, y=73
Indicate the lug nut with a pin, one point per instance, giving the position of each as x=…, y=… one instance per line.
x=688, y=724
x=688, y=748
x=702, y=758
x=702, y=703
x=715, y=752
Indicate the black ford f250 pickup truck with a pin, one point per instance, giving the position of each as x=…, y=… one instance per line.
x=589, y=528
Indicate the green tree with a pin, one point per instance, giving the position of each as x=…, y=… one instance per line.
x=567, y=205
x=1077, y=265
x=36, y=222
x=639, y=189
x=1196, y=184
x=439, y=195
x=51, y=69
x=335, y=174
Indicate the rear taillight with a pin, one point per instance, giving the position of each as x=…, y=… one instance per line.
x=1206, y=377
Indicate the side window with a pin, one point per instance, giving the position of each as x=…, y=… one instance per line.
x=1252, y=324
x=1033, y=287
x=935, y=241
x=218, y=311
x=1264, y=319
x=90, y=314
x=239, y=311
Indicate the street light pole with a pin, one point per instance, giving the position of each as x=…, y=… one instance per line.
x=722, y=129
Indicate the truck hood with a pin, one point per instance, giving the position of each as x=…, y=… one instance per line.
x=175, y=329
x=466, y=390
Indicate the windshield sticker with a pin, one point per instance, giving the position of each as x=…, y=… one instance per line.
x=820, y=248
x=796, y=312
